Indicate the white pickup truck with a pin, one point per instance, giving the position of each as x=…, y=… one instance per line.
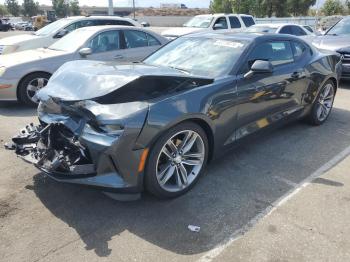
x=236, y=22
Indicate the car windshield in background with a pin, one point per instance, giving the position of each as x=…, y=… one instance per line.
x=72, y=41
x=199, y=21
x=205, y=57
x=341, y=28
x=261, y=29
x=53, y=27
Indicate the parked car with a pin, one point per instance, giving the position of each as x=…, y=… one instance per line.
x=23, y=73
x=4, y=25
x=290, y=29
x=311, y=30
x=155, y=125
x=211, y=22
x=337, y=38
x=25, y=26
x=49, y=34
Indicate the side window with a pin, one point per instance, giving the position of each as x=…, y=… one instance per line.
x=248, y=21
x=152, y=40
x=80, y=24
x=71, y=27
x=105, y=41
x=298, y=31
x=286, y=30
x=134, y=39
x=299, y=50
x=221, y=21
x=234, y=22
x=277, y=52
x=121, y=22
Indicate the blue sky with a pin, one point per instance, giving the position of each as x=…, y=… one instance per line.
x=143, y=3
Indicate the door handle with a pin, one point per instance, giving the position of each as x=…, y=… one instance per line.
x=118, y=57
x=296, y=75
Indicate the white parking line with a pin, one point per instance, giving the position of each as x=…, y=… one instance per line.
x=215, y=252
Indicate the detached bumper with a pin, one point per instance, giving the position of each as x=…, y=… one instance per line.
x=80, y=156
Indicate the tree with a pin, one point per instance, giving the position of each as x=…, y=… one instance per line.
x=13, y=7
x=332, y=7
x=60, y=8
x=299, y=7
x=30, y=8
x=74, y=7
x=221, y=6
x=3, y=10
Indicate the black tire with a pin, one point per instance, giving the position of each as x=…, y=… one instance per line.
x=22, y=87
x=313, y=118
x=151, y=181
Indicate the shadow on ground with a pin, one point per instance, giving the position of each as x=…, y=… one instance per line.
x=15, y=109
x=234, y=190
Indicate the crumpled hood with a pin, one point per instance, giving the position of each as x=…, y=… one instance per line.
x=13, y=40
x=331, y=42
x=84, y=80
x=179, y=31
x=18, y=58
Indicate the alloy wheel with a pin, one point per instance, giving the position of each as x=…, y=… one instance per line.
x=34, y=86
x=180, y=161
x=325, y=102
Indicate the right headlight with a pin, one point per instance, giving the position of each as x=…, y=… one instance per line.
x=7, y=49
x=2, y=70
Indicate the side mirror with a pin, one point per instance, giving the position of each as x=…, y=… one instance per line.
x=218, y=26
x=145, y=24
x=260, y=67
x=61, y=33
x=84, y=52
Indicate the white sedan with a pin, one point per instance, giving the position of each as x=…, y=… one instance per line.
x=290, y=29
x=22, y=74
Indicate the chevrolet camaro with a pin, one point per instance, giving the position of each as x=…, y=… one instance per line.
x=154, y=125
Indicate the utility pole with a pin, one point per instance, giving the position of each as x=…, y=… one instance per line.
x=133, y=7
x=110, y=7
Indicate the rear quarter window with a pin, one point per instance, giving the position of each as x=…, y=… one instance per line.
x=234, y=22
x=248, y=21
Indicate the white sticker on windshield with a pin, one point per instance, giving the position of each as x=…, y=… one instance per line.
x=228, y=44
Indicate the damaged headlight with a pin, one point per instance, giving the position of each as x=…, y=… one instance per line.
x=111, y=130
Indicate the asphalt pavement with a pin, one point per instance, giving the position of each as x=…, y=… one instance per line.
x=240, y=204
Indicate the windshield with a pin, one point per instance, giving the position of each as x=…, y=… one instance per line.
x=53, y=27
x=261, y=29
x=341, y=28
x=199, y=22
x=72, y=41
x=204, y=57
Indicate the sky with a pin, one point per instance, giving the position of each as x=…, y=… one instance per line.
x=141, y=3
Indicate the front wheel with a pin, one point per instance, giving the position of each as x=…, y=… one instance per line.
x=30, y=85
x=177, y=161
x=323, y=104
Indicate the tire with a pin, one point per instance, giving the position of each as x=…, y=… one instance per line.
x=36, y=81
x=322, y=106
x=183, y=165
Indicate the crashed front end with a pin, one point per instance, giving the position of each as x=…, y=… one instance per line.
x=80, y=142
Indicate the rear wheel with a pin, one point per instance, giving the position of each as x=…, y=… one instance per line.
x=177, y=161
x=30, y=85
x=323, y=105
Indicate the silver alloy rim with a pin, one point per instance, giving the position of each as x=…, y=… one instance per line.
x=34, y=86
x=180, y=161
x=325, y=102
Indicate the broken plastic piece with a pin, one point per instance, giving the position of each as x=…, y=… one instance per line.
x=194, y=228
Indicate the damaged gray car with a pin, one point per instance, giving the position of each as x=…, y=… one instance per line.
x=126, y=128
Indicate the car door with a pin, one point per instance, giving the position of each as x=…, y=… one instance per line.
x=265, y=98
x=137, y=45
x=105, y=46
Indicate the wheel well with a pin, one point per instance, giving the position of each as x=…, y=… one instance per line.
x=334, y=82
x=208, y=131
x=22, y=79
